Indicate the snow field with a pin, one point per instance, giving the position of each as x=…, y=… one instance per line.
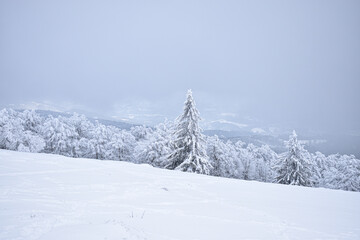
x=44, y=196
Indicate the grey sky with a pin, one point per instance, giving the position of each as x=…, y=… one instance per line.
x=283, y=63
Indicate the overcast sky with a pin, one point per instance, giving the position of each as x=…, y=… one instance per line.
x=283, y=63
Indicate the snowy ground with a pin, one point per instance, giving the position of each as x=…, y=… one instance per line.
x=45, y=196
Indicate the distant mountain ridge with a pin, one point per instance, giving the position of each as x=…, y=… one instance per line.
x=118, y=124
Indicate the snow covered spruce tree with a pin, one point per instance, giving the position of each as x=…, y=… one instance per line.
x=189, y=153
x=294, y=166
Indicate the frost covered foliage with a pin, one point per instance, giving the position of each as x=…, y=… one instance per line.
x=189, y=145
x=177, y=145
x=20, y=131
x=59, y=136
x=157, y=146
x=263, y=159
x=73, y=136
x=342, y=172
x=220, y=157
x=294, y=167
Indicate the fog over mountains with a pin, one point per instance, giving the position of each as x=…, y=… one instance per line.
x=270, y=65
x=247, y=132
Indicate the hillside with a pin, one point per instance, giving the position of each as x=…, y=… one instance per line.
x=46, y=196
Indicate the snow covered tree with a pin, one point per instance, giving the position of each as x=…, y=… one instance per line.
x=178, y=145
x=31, y=142
x=263, y=159
x=11, y=130
x=81, y=145
x=84, y=148
x=82, y=125
x=321, y=166
x=140, y=132
x=122, y=144
x=350, y=173
x=219, y=157
x=32, y=121
x=20, y=131
x=189, y=154
x=59, y=136
x=100, y=141
x=155, y=149
x=294, y=167
x=343, y=173
x=244, y=162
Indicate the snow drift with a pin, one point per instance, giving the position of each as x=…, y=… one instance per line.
x=46, y=196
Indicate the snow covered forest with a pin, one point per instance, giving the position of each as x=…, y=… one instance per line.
x=178, y=145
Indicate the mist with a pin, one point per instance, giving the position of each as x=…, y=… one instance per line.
x=269, y=65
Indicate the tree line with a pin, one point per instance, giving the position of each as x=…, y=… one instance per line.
x=178, y=145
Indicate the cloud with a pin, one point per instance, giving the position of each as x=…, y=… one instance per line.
x=258, y=130
x=47, y=105
x=228, y=114
x=313, y=141
x=240, y=125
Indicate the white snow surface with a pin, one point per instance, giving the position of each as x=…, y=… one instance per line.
x=44, y=196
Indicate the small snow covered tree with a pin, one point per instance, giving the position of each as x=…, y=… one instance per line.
x=343, y=173
x=20, y=131
x=321, y=166
x=140, y=132
x=189, y=154
x=122, y=144
x=81, y=146
x=294, y=166
x=11, y=130
x=31, y=142
x=244, y=162
x=84, y=148
x=100, y=141
x=81, y=124
x=219, y=157
x=59, y=136
x=263, y=158
x=350, y=180
x=156, y=147
x=32, y=121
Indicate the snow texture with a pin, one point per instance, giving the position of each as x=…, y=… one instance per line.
x=50, y=197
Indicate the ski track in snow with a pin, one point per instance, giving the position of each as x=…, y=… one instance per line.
x=44, y=196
